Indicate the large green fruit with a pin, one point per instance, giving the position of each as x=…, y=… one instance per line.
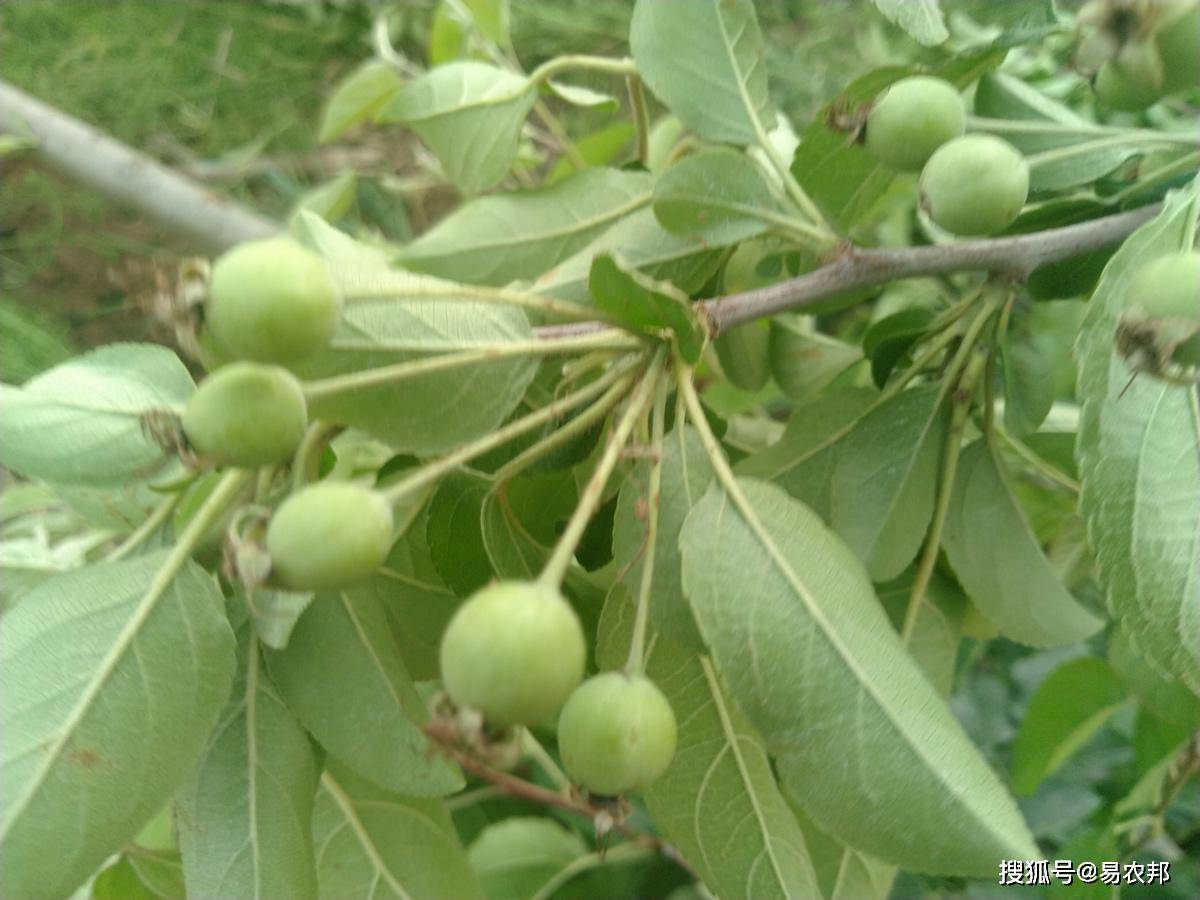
x=271, y=300
x=246, y=414
x=616, y=734
x=1168, y=288
x=514, y=652
x=1134, y=79
x=1179, y=45
x=911, y=119
x=975, y=184
x=329, y=535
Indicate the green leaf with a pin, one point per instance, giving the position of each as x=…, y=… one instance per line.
x=686, y=475
x=358, y=97
x=640, y=302
x=492, y=18
x=583, y=97
x=938, y=628
x=802, y=460
x=113, y=680
x=454, y=533
x=85, y=421
x=372, y=844
x=999, y=562
x=520, y=520
x=598, y=148
x=920, y=18
x=863, y=741
x=884, y=480
x=1169, y=700
x=470, y=115
x=330, y=200
x=718, y=802
x=275, y=613
x=496, y=239
x=1067, y=709
x=888, y=339
x=140, y=876
x=520, y=856
x=1139, y=463
x=719, y=195
x=704, y=61
x=409, y=317
x=1029, y=383
x=843, y=873
x=686, y=262
x=245, y=816
x=344, y=680
x=805, y=362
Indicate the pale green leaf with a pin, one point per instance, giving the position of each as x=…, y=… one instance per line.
x=470, y=115
x=805, y=362
x=884, y=480
x=87, y=420
x=843, y=873
x=583, y=97
x=112, y=682
x=496, y=239
x=718, y=802
x=275, y=613
x=342, y=677
x=1067, y=709
x=863, y=742
x=704, y=60
x=517, y=857
x=245, y=816
x=686, y=475
x=358, y=97
x=920, y=18
x=140, y=876
x=1028, y=382
x=802, y=460
x=719, y=195
x=330, y=200
x=998, y=560
x=1169, y=700
x=404, y=317
x=371, y=844
x=937, y=630
x=686, y=262
x=1139, y=464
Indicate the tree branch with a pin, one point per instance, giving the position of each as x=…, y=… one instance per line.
x=128, y=176
x=858, y=267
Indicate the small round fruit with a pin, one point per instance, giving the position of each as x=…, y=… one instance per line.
x=911, y=119
x=329, y=535
x=616, y=733
x=1134, y=79
x=975, y=184
x=1169, y=288
x=514, y=652
x=271, y=300
x=246, y=414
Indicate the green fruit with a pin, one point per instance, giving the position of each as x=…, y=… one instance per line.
x=1179, y=46
x=1168, y=288
x=616, y=733
x=744, y=354
x=246, y=414
x=272, y=300
x=911, y=119
x=514, y=652
x=975, y=184
x=329, y=535
x=1133, y=80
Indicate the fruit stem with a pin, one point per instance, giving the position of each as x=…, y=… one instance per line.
x=589, y=499
x=637, y=644
x=359, y=284
x=323, y=388
x=641, y=117
x=577, y=425
x=534, y=749
x=432, y=471
x=605, y=64
x=961, y=401
x=306, y=462
x=161, y=513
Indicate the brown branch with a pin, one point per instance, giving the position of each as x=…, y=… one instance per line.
x=128, y=176
x=858, y=267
